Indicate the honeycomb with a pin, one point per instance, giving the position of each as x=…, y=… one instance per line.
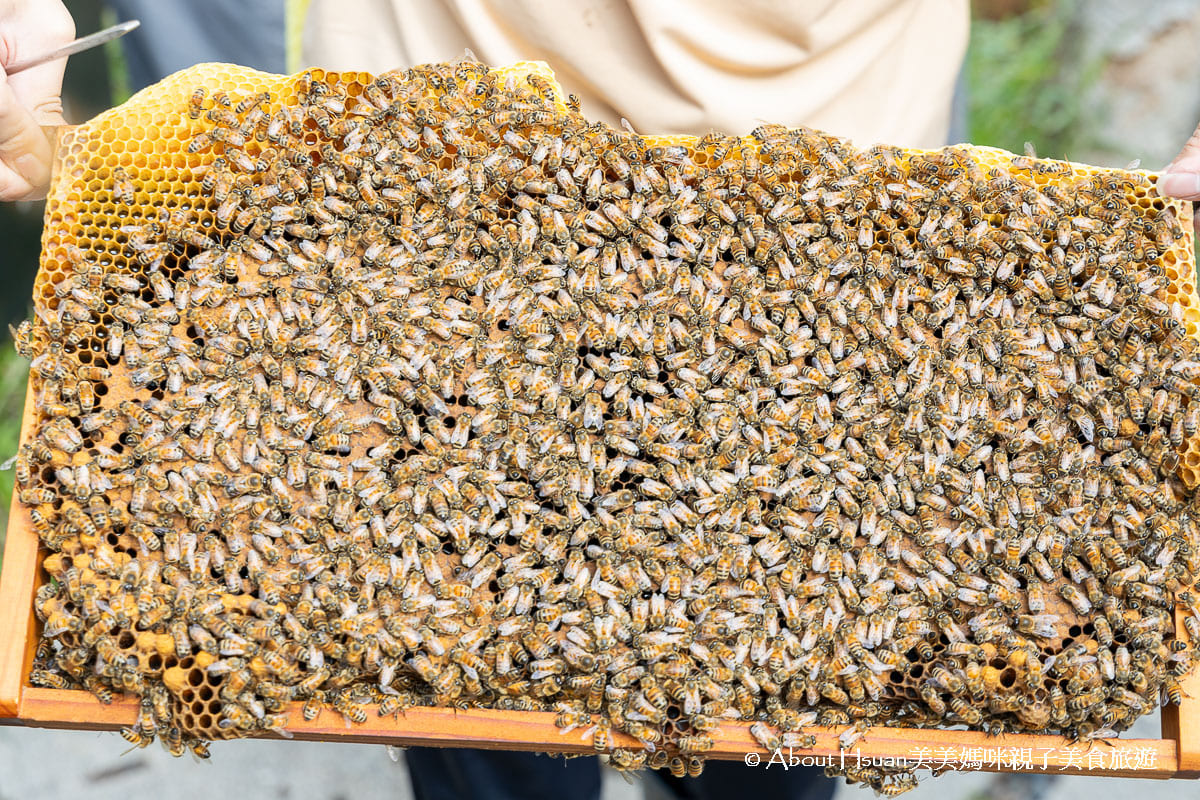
x=367, y=392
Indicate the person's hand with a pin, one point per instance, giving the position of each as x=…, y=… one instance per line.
x=1181, y=178
x=32, y=98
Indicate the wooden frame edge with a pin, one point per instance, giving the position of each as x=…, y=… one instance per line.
x=16, y=590
x=536, y=731
x=1182, y=722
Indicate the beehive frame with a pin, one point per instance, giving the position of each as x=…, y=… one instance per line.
x=445, y=726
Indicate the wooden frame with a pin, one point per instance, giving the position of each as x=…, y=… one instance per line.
x=1176, y=754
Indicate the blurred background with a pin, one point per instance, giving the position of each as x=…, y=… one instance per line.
x=1097, y=81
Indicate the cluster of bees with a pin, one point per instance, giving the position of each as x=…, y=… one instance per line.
x=448, y=396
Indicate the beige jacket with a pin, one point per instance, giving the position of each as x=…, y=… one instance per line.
x=872, y=70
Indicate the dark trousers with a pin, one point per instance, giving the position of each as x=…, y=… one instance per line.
x=464, y=774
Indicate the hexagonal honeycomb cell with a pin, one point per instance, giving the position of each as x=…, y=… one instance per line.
x=359, y=391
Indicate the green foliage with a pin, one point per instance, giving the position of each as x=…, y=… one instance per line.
x=14, y=372
x=294, y=15
x=1028, y=82
x=114, y=54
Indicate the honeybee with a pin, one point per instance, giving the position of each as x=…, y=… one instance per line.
x=136, y=737
x=123, y=187
x=765, y=736
x=196, y=102
x=250, y=103
x=48, y=679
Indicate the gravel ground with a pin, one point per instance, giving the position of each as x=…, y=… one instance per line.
x=38, y=764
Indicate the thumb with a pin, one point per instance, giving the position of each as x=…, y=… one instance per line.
x=39, y=89
x=1181, y=178
x=24, y=147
